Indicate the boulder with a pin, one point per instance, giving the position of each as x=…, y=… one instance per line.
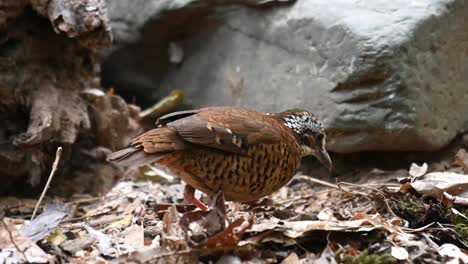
x=382, y=75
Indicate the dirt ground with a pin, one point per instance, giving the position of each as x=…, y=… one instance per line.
x=359, y=215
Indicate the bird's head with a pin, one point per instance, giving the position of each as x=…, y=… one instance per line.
x=309, y=132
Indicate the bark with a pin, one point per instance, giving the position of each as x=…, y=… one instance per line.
x=50, y=94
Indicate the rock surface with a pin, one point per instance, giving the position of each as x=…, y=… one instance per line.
x=383, y=75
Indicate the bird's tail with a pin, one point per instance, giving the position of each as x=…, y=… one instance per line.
x=148, y=147
x=132, y=157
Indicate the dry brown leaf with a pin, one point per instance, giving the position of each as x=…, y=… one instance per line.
x=39, y=228
x=436, y=183
x=103, y=241
x=450, y=200
x=201, y=225
x=359, y=223
x=229, y=237
x=208, y=229
x=133, y=236
x=15, y=247
x=172, y=235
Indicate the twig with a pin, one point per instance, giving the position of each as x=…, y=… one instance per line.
x=71, y=220
x=86, y=200
x=282, y=202
x=314, y=180
x=339, y=187
x=51, y=175
x=109, y=220
x=173, y=253
x=368, y=186
x=13, y=241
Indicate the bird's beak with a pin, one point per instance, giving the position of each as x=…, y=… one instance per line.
x=324, y=158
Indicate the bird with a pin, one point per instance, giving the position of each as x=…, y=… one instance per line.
x=243, y=153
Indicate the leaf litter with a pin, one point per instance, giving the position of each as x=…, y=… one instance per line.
x=422, y=219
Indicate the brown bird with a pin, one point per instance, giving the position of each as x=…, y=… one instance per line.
x=243, y=153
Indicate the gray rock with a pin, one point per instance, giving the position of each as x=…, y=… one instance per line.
x=382, y=75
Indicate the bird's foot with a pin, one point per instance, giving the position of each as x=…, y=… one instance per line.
x=189, y=195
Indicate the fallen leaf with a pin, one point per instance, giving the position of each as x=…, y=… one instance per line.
x=359, y=223
x=229, y=237
x=399, y=253
x=450, y=200
x=208, y=228
x=118, y=225
x=172, y=235
x=417, y=171
x=54, y=213
x=291, y=259
x=103, y=241
x=57, y=237
x=326, y=215
x=15, y=247
x=452, y=251
x=200, y=225
x=75, y=245
x=134, y=236
x=436, y=183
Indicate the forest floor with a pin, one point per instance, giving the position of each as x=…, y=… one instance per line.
x=366, y=215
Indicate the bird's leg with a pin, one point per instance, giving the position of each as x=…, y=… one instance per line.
x=189, y=195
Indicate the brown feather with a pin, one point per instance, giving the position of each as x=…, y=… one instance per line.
x=159, y=140
x=229, y=129
x=133, y=157
x=244, y=153
x=148, y=147
x=174, y=116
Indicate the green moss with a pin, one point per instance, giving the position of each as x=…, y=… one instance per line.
x=462, y=231
x=408, y=207
x=460, y=225
x=364, y=258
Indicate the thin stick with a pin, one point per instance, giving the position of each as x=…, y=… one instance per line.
x=314, y=180
x=51, y=175
x=13, y=240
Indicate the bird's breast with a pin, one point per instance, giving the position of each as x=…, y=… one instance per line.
x=242, y=177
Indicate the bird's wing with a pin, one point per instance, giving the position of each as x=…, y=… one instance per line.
x=148, y=147
x=159, y=140
x=163, y=120
x=229, y=129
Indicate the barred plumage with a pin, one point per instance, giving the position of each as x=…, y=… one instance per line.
x=243, y=153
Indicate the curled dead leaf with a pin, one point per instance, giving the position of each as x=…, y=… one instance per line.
x=417, y=171
x=208, y=229
x=446, y=186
